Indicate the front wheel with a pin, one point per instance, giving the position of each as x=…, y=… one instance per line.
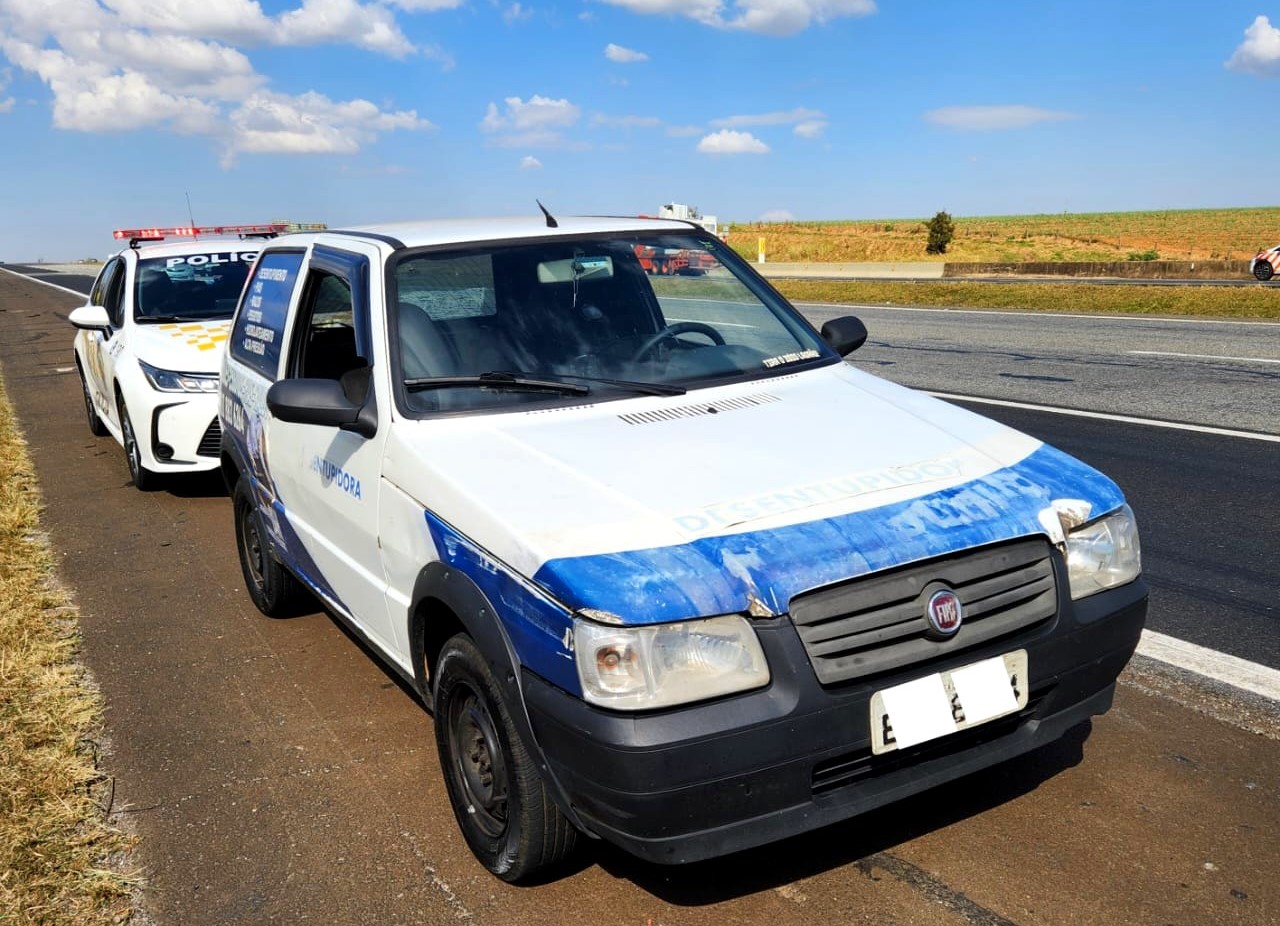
x=271, y=586
x=143, y=479
x=1263, y=271
x=502, y=805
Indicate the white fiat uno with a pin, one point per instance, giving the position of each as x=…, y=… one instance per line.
x=151, y=339
x=667, y=569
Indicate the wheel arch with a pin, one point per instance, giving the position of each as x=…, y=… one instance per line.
x=445, y=602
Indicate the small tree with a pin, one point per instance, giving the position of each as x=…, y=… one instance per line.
x=941, y=231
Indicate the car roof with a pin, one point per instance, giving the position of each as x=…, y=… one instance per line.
x=465, y=231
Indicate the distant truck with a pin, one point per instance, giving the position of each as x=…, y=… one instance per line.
x=667, y=261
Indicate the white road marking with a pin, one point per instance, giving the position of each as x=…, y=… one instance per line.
x=1231, y=670
x=1145, y=319
x=1170, y=353
x=1126, y=419
x=25, y=276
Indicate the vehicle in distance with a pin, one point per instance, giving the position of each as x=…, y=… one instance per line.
x=150, y=340
x=1265, y=264
x=667, y=570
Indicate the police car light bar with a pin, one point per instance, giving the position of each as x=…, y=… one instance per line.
x=158, y=234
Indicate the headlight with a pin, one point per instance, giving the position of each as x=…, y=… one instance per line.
x=639, y=668
x=1103, y=554
x=169, y=381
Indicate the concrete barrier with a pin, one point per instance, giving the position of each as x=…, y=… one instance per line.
x=1121, y=269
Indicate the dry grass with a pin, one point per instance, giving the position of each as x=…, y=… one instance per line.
x=1222, y=301
x=54, y=839
x=1194, y=234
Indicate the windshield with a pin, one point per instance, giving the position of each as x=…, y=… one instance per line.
x=191, y=286
x=620, y=314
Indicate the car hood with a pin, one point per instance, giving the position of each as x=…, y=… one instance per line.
x=187, y=347
x=658, y=509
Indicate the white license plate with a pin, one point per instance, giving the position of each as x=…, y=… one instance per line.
x=947, y=702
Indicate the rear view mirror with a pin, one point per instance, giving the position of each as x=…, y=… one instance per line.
x=845, y=334
x=90, y=318
x=581, y=268
x=322, y=402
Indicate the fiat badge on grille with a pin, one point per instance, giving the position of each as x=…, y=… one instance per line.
x=944, y=612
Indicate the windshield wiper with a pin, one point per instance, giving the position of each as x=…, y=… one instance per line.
x=498, y=379
x=634, y=385
x=168, y=319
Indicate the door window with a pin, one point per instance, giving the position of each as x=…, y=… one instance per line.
x=325, y=343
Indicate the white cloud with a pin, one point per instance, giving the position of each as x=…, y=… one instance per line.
x=619, y=55
x=769, y=17
x=727, y=141
x=626, y=122
x=994, y=118
x=1259, y=53
x=811, y=129
x=535, y=123
x=124, y=65
x=787, y=117
x=5, y=104
x=517, y=12
x=529, y=162
x=776, y=215
x=274, y=123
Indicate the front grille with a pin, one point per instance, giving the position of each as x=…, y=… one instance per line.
x=877, y=624
x=211, y=442
x=694, y=411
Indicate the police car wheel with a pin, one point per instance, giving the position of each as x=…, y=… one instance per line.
x=144, y=480
x=508, y=818
x=1263, y=271
x=96, y=427
x=274, y=590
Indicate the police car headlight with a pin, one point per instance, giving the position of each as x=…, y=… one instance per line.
x=641, y=668
x=170, y=381
x=1104, y=553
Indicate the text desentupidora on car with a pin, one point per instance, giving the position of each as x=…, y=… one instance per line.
x=667, y=570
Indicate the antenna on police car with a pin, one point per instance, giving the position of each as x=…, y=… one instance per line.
x=551, y=220
x=190, y=214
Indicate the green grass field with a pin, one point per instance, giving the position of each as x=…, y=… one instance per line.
x=1219, y=301
x=1191, y=234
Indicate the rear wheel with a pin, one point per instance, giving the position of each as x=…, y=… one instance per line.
x=502, y=805
x=1263, y=270
x=96, y=427
x=143, y=479
x=271, y=586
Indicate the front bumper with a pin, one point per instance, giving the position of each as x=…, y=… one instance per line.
x=179, y=431
x=692, y=783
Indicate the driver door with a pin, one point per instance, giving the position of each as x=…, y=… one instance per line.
x=102, y=347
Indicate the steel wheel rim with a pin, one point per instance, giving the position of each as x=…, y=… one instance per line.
x=251, y=546
x=479, y=767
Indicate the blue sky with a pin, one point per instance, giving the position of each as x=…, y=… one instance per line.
x=357, y=111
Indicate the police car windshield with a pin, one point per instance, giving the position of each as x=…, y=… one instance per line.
x=190, y=287
x=617, y=311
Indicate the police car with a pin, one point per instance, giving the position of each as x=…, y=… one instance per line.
x=1265, y=264
x=150, y=342
x=667, y=570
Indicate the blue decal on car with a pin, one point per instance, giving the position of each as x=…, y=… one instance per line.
x=540, y=629
x=718, y=574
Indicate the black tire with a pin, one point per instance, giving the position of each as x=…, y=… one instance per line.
x=274, y=590
x=96, y=427
x=502, y=805
x=144, y=480
x=1262, y=271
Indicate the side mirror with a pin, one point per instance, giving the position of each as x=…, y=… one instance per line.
x=845, y=334
x=321, y=402
x=90, y=318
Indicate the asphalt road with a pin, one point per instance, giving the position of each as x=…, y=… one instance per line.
x=277, y=774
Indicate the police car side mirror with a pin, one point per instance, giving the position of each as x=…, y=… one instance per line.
x=320, y=402
x=845, y=334
x=90, y=318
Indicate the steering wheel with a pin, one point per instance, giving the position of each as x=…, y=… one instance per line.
x=672, y=331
